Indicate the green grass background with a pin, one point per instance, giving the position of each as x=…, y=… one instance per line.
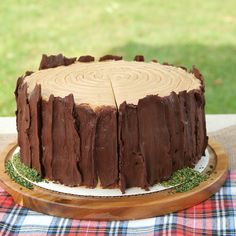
x=181, y=32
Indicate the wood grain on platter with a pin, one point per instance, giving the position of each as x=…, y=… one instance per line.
x=115, y=208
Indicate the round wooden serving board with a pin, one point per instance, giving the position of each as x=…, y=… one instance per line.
x=115, y=208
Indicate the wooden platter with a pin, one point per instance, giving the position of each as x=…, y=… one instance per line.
x=115, y=208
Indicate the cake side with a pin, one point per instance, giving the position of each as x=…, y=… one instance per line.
x=160, y=135
x=74, y=145
x=105, y=152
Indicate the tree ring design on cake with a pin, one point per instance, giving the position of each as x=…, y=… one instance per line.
x=110, y=123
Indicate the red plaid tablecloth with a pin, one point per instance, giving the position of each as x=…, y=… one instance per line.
x=216, y=216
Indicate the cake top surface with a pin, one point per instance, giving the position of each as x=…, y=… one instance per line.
x=112, y=82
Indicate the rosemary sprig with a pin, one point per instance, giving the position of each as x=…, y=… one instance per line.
x=23, y=170
x=15, y=177
x=185, y=179
x=29, y=173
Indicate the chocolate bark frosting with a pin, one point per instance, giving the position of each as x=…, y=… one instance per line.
x=110, y=123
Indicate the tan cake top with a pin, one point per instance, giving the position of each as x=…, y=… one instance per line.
x=112, y=82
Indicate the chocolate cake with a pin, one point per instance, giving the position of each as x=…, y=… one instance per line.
x=110, y=123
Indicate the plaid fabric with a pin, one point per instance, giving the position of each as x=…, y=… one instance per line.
x=216, y=216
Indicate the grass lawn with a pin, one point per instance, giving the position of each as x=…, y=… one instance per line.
x=180, y=32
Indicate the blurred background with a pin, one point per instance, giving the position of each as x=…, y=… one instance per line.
x=181, y=32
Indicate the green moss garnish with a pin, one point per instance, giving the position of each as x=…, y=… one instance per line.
x=185, y=179
x=29, y=173
x=15, y=177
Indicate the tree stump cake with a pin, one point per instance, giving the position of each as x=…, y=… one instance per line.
x=110, y=123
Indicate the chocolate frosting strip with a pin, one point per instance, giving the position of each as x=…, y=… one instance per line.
x=86, y=58
x=154, y=138
x=186, y=128
x=59, y=162
x=86, y=120
x=191, y=108
x=106, y=157
x=54, y=61
x=23, y=122
x=65, y=152
x=47, y=136
x=139, y=58
x=131, y=163
x=72, y=143
x=175, y=128
x=201, y=138
x=110, y=57
x=35, y=128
